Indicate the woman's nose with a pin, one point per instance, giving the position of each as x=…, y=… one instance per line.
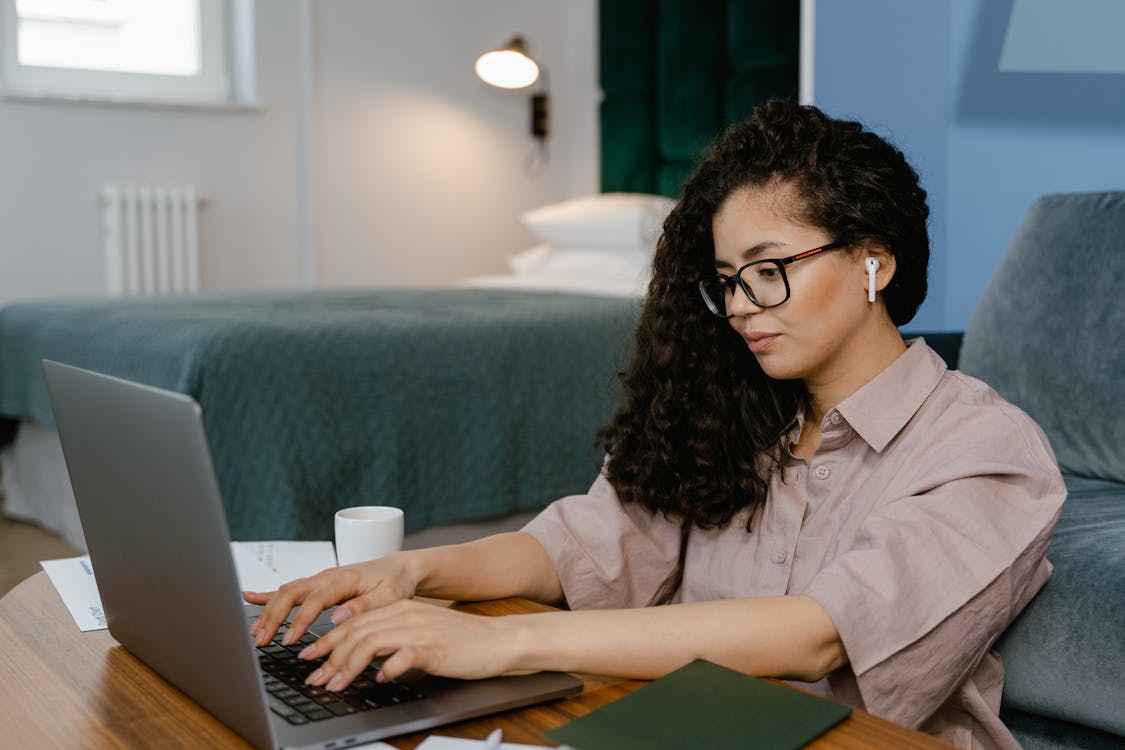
x=739, y=305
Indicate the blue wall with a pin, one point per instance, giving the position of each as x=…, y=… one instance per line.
x=986, y=144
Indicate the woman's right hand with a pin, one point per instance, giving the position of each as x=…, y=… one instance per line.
x=355, y=588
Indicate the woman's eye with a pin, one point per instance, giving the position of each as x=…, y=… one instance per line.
x=768, y=272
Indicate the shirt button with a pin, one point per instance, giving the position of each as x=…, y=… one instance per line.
x=779, y=556
x=835, y=418
x=822, y=472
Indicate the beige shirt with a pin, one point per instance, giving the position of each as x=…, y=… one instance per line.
x=920, y=525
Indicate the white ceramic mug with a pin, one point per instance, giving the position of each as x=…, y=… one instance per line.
x=366, y=532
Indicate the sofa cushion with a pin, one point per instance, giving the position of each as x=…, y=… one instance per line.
x=1040, y=733
x=1047, y=331
x=1063, y=657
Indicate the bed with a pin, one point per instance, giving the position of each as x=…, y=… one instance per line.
x=472, y=402
x=454, y=404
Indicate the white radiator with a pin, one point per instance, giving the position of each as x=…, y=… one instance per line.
x=151, y=238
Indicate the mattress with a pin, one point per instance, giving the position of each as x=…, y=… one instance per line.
x=454, y=404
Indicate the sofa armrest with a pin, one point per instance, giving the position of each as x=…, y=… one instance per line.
x=8, y=429
x=945, y=343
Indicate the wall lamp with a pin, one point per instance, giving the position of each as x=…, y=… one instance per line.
x=511, y=67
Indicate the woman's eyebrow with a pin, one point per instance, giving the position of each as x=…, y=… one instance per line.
x=751, y=252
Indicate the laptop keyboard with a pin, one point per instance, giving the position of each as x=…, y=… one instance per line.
x=298, y=703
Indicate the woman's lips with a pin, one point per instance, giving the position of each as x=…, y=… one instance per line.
x=759, y=342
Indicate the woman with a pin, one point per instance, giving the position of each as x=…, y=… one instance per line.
x=811, y=497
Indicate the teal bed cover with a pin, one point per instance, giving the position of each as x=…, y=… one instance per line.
x=453, y=404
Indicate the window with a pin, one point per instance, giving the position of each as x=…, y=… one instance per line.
x=173, y=51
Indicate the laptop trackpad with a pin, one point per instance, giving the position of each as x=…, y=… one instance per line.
x=323, y=623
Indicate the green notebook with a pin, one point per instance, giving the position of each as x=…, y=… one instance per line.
x=704, y=705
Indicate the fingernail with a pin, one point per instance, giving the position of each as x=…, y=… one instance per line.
x=341, y=615
x=307, y=652
x=335, y=683
x=312, y=678
x=380, y=677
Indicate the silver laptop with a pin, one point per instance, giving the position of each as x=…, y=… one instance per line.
x=157, y=536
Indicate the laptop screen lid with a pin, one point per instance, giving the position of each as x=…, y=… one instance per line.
x=157, y=536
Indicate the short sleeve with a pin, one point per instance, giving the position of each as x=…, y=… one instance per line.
x=930, y=580
x=607, y=555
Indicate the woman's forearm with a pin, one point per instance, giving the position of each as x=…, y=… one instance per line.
x=503, y=565
x=782, y=636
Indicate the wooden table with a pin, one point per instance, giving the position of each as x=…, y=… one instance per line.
x=62, y=688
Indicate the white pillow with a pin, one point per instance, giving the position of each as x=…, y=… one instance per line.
x=620, y=219
x=604, y=262
x=527, y=262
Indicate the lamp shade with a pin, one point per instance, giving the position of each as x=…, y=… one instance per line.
x=509, y=67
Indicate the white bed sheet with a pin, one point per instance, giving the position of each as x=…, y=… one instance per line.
x=574, y=285
x=35, y=483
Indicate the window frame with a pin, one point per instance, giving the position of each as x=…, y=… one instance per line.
x=211, y=86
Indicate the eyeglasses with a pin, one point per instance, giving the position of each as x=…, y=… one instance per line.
x=763, y=281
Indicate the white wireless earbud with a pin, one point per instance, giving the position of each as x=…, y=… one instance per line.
x=872, y=266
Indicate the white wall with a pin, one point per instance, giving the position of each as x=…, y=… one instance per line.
x=417, y=167
x=54, y=157
x=986, y=142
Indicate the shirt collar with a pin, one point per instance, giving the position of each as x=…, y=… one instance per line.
x=883, y=406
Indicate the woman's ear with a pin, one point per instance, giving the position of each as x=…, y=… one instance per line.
x=878, y=269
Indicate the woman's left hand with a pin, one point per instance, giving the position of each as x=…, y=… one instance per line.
x=412, y=635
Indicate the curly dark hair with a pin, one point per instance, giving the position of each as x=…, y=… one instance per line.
x=701, y=429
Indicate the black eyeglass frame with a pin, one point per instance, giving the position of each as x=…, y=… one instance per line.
x=781, y=263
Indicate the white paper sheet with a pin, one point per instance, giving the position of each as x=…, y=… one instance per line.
x=261, y=566
x=74, y=580
x=253, y=575
x=292, y=560
x=436, y=742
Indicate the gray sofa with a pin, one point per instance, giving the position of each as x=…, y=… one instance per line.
x=1049, y=335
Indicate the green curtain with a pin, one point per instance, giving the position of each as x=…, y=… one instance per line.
x=674, y=74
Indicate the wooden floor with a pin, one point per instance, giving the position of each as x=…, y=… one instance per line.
x=22, y=546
